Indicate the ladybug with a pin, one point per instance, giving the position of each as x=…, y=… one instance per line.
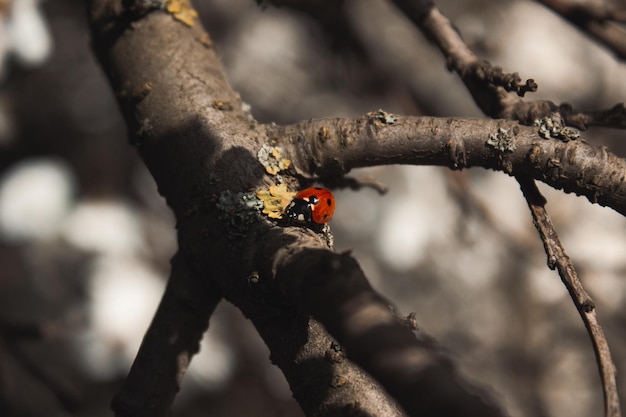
x=312, y=206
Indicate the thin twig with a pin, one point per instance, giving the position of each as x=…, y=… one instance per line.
x=489, y=85
x=557, y=258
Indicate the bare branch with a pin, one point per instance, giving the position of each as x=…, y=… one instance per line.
x=572, y=165
x=321, y=378
x=171, y=341
x=599, y=20
x=201, y=148
x=173, y=93
x=488, y=84
x=331, y=287
x=614, y=117
x=583, y=302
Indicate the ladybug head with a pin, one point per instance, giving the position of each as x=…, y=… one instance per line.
x=299, y=211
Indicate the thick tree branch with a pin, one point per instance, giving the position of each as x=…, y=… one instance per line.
x=202, y=151
x=332, y=288
x=177, y=103
x=171, y=341
x=323, y=383
x=583, y=302
x=380, y=138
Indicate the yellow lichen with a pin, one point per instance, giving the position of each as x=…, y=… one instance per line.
x=182, y=11
x=275, y=200
x=272, y=159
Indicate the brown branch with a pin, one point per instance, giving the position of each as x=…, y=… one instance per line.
x=598, y=20
x=573, y=165
x=321, y=378
x=323, y=383
x=583, y=302
x=489, y=85
x=332, y=288
x=614, y=117
x=202, y=151
x=172, y=339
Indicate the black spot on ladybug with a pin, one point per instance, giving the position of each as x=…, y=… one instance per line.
x=329, y=202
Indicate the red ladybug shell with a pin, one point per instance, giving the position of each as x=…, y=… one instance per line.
x=314, y=204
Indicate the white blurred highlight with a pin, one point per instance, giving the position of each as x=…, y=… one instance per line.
x=106, y=227
x=124, y=296
x=213, y=366
x=417, y=219
x=27, y=33
x=35, y=197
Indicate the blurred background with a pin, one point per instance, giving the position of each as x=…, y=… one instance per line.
x=85, y=239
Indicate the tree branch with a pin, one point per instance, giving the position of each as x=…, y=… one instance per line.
x=332, y=288
x=489, y=85
x=321, y=379
x=323, y=383
x=380, y=138
x=202, y=151
x=174, y=96
x=583, y=302
x=172, y=339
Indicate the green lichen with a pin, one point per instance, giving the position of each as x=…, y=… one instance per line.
x=502, y=140
x=239, y=211
x=553, y=127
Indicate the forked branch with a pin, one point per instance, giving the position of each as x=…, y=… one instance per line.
x=489, y=85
